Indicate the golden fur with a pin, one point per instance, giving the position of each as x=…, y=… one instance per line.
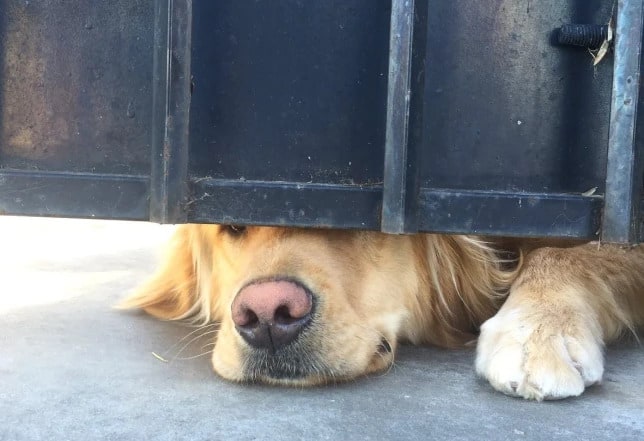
x=543, y=314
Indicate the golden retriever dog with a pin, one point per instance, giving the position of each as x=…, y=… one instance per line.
x=306, y=307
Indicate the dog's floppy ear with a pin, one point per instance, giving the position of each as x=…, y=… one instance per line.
x=469, y=280
x=173, y=292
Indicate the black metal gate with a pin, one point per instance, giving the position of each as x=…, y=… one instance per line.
x=399, y=115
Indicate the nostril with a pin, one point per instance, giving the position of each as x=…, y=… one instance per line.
x=248, y=319
x=283, y=316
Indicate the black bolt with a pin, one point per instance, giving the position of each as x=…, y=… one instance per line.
x=585, y=35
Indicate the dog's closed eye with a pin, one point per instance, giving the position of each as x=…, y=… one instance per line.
x=234, y=230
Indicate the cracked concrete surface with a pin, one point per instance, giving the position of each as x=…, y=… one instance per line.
x=72, y=368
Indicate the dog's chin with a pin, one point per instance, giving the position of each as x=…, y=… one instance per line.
x=297, y=367
x=307, y=375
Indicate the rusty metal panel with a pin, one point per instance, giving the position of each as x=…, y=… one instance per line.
x=75, y=85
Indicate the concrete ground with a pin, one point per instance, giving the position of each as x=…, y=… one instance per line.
x=72, y=368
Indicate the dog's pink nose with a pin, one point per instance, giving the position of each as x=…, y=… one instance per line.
x=270, y=315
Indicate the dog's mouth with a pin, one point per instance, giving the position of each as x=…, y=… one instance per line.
x=293, y=364
x=301, y=364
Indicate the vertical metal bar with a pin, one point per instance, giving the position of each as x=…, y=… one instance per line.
x=171, y=83
x=620, y=222
x=396, y=198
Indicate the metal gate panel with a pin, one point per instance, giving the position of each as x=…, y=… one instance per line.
x=404, y=116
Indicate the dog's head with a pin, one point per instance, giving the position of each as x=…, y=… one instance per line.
x=304, y=307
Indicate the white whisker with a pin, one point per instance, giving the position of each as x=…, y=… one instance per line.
x=201, y=328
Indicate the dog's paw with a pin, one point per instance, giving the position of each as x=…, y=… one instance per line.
x=539, y=357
